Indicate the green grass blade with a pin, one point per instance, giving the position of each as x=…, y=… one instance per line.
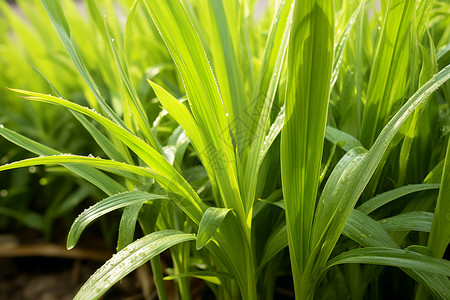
x=148, y=154
x=442, y=51
x=183, y=117
x=209, y=224
x=276, y=242
x=56, y=14
x=340, y=45
x=139, y=114
x=274, y=130
x=310, y=57
x=207, y=104
x=351, y=186
x=176, y=189
x=99, y=179
x=127, y=225
x=390, y=69
x=103, y=207
x=274, y=49
x=341, y=138
x=104, y=142
x=130, y=258
x=371, y=234
x=386, y=197
x=440, y=229
x=257, y=146
x=99, y=137
x=213, y=277
x=393, y=257
x=224, y=59
x=332, y=200
x=415, y=220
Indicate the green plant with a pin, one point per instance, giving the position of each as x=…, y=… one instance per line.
x=208, y=168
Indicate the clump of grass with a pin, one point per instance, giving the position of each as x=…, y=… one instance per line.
x=346, y=83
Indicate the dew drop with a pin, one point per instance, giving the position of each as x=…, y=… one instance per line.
x=3, y=193
x=1, y=126
x=112, y=40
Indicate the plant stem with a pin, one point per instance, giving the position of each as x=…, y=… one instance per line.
x=158, y=278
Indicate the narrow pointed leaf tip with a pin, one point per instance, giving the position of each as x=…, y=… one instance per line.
x=103, y=207
x=210, y=222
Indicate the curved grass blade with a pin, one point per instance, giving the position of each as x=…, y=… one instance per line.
x=135, y=105
x=389, y=71
x=258, y=143
x=367, y=232
x=340, y=45
x=183, y=117
x=206, y=103
x=56, y=14
x=99, y=137
x=147, y=153
x=393, y=257
x=105, y=206
x=386, y=197
x=213, y=277
x=274, y=49
x=99, y=179
x=113, y=167
x=274, y=130
x=128, y=259
x=442, y=51
x=210, y=222
x=352, y=185
x=341, y=138
x=409, y=221
x=332, y=200
x=106, y=144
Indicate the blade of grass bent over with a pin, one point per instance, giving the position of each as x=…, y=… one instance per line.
x=103, y=207
x=99, y=179
x=128, y=259
x=148, y=154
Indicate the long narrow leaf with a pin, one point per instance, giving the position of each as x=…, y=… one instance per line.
x=310, y=57
x=129, y=259
x=103, y=207
x=393, y=257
